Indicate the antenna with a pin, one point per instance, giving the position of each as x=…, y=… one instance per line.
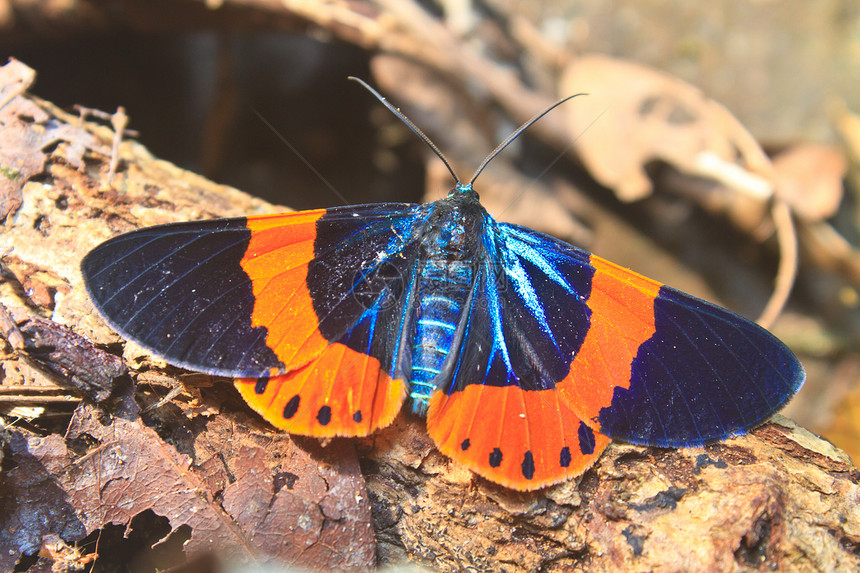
x=516, y=134
x=415, y=129
x=436, y=150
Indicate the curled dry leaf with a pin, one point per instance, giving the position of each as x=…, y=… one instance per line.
x=253, y=503
x=809, y=178
x=15, y=77
x=72, y=360
x=634, y=115
x=18, y=160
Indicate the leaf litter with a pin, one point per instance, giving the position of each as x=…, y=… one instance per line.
x=267, y=500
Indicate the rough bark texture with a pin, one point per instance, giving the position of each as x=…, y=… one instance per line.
x=778, y=499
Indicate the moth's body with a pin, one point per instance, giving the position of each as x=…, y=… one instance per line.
x=452, y=250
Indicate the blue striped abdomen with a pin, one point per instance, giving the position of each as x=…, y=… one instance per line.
x=442, y=294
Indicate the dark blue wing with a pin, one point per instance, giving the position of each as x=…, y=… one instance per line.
x=251, y=297
x=634, y=359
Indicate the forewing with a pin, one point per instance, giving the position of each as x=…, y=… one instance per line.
x=180, y=291
x=657, y=366
x=240, y=297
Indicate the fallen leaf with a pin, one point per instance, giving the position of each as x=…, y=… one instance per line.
x=634, y=115
x=285, y=504
x=33, y=502
x=15, y=77
x=809, y=178
x=71, y=359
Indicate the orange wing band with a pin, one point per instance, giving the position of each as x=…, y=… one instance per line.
x=341, y=393
x=523, y=440
x=277, y=258
x=622, y=318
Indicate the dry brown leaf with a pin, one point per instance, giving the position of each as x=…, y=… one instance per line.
x=809, y=178
x=15, y=77
x=634, y=115
x=285, y=504
x=71, y=360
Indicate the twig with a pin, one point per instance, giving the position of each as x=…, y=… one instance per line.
x=14, y=80
x=119, y=123
x=34, y=400
x=787, y=272
x=9, y=330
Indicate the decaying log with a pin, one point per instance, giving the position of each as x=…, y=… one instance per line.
x=778, y=499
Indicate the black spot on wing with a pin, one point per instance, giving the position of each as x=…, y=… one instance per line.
x=260, y=386
x=564, y=458
x=586, y=439
x=324, y=415
x=528, y=465
x=292, y=407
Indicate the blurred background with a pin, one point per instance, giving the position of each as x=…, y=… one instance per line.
x=714, y=139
